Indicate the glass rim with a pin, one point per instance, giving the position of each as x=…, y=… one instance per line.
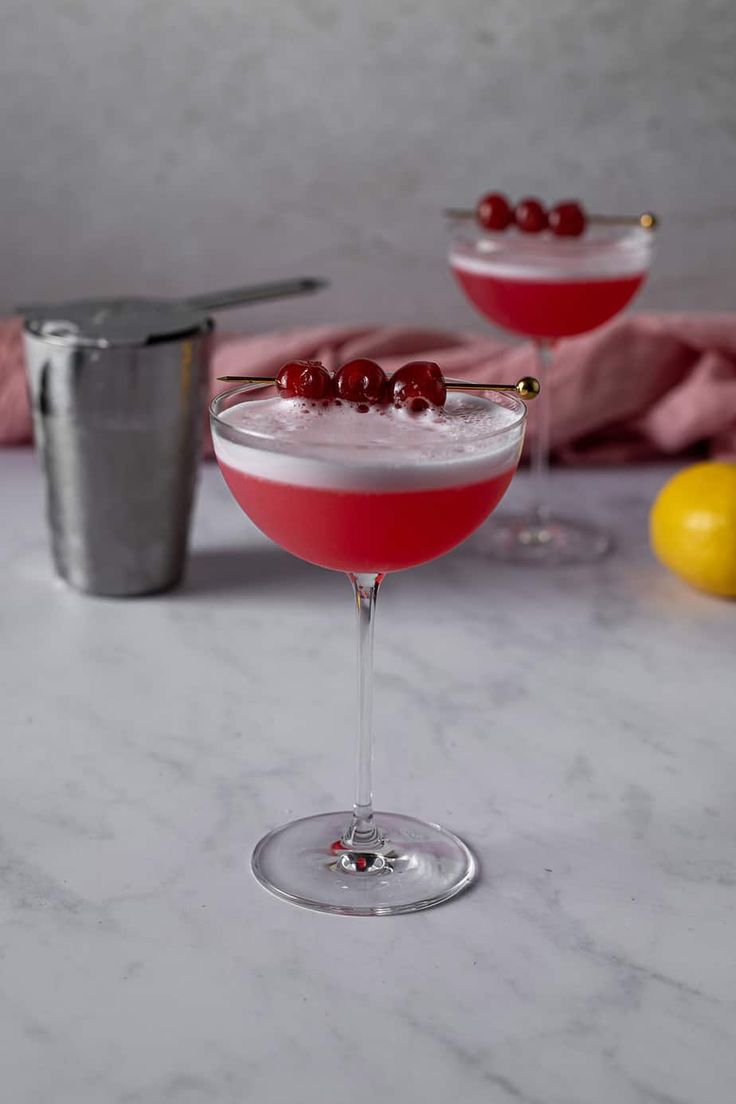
x=238, y=434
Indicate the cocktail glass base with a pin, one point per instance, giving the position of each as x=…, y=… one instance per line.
x=551, y=540
x=418, y=866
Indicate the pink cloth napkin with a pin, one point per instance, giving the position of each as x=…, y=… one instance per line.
x=643, y=387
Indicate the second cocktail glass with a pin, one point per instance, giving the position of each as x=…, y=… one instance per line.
x=365, y=492
x=547, y=288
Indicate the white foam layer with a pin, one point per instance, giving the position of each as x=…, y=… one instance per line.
x=554, y=260
x=339, y=447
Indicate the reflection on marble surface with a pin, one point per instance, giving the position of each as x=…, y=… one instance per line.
x=575, y=726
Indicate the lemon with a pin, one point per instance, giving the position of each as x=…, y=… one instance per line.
x=692, y=526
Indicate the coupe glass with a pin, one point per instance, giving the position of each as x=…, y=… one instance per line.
x=548, y=288
x=365, y=510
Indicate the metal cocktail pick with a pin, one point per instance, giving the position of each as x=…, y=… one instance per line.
x=527, y=388
x=647, y=220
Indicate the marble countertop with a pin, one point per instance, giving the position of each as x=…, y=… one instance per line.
x=576, y=726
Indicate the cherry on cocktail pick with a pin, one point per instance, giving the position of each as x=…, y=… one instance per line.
x=361, y=381
x=419, y=384
x=304, y=379
x=530, y=216
x=567, y=219
x=494, y=212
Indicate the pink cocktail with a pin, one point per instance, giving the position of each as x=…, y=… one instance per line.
x=357, y=530
x=547, y=308
x=365, y=493
x=368, y=492
x=546, y=288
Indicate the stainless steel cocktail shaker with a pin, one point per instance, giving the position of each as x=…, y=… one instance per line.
x=118, y=390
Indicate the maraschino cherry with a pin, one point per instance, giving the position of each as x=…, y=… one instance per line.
x=418, y=385
x=361, y=381
x=304, y=379
x=567, y=219
x=530, y=216
x=494, y=212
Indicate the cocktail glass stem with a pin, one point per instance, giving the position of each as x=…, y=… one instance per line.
x=362, y=834
x=540, y=448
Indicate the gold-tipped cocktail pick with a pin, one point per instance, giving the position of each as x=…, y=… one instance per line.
x=647, y=220
x=526, y=388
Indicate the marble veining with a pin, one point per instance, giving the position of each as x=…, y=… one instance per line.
x=575, y=726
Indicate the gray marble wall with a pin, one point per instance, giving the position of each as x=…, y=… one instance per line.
x=170, y=145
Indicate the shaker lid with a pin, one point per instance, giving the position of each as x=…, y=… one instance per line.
x=111, y=322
